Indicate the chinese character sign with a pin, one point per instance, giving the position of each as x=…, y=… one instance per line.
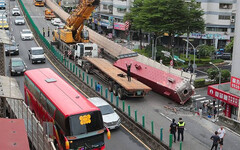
x=223, y=96
x=235, y=83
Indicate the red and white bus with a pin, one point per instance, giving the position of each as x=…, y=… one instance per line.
x=77, y=123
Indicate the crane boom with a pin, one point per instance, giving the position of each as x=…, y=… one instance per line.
x=74, y=24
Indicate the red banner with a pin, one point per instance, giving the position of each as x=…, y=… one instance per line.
x=223, y=96
x=228, y=110
x=235, y=83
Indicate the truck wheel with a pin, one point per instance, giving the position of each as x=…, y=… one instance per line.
x=87, y=68
x=115, y=88
x=121, y=94
x=32, y=62
x=110, y=86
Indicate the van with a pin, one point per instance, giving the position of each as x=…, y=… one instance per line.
x=36, y=55
x=110, y=117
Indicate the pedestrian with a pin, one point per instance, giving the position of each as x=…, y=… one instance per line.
x=180, y=128
x=214, y=112
x=48, y=32
x=128, y=71
x=200, y=112
x=204, y=107
x=216, y=139
x=221, y=133
x=173, y=129
x=43, y=32
x=98, y=87
x=214, y=102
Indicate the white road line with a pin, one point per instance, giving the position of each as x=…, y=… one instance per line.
x=204, y=101
x=195, y=96
x=201, y=98
x=166, y=117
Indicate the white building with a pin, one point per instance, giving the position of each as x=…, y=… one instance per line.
x=219, y=16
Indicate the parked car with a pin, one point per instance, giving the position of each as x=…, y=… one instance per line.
x=11, y=49
x=61, y=25
x=36, y=54
x=56, y=21
x=26, y=34
x=17, y=66
x=226, y=56
x=15, y=11
x=110, y=117
x=3, y=17
x=19, y=20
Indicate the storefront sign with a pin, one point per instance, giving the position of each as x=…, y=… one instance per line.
x=228, y=110
x=119, y=26
x=235, y=83
x=207, y=36
x=223, y=96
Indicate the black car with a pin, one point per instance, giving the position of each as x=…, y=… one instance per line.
x=226, y=56
x=11, y=49
x=17, y=66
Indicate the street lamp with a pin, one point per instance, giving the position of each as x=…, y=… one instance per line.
x=219, y=83
x=167, y=54
x=194, y=49
x=156, y=47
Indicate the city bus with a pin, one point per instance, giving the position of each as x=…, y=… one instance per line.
x=77, y=123
x=39, y=3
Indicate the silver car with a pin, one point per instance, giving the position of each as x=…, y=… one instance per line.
x=19, y=20
x=26, y=34
x=110, y=117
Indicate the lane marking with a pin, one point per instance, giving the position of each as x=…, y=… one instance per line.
x=195, y=96
x=201, y=98
x=204, y=101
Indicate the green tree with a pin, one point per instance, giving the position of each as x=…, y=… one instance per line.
x=212, y=73
x=205, y=50
x=225, y=75
x=229, y=47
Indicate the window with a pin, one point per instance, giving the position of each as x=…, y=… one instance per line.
x=225, y=6
x=121, y=10
x=118, y=20
x=216, y=29
x=232, y=30
x=234, y=110
x=221, y=17
x=104, y=17
x=105, y=7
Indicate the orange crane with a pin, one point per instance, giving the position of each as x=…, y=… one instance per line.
x=73, y=31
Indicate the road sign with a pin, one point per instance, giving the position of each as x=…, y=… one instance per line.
x=171, y=63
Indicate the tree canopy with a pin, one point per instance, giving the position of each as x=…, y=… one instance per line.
x=166, y=16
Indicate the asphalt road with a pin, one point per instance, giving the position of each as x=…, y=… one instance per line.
x=120, y=138
x=152, y=107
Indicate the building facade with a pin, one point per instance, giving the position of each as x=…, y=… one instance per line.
x=219, y=16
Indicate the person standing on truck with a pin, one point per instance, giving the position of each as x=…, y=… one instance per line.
x=128, y=71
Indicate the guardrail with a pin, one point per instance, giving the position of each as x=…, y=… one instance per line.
x=73, y=73
x=40, y=141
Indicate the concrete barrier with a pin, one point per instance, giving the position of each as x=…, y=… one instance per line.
x=230, y=123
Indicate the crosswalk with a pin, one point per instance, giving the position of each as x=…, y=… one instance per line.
x=200, y=100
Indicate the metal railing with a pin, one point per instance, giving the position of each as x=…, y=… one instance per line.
x=40, y=141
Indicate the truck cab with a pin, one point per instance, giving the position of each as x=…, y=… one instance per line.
x=85, y=50
x=36, y=54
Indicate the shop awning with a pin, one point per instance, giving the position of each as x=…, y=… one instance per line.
x=222, y=93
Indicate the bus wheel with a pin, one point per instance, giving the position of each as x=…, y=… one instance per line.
x=110, y=86
x=121, y=94
x=115, y=88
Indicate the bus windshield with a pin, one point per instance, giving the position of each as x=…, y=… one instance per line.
x=84, y=123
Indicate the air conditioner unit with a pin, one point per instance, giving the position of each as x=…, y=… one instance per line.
x=232, y=20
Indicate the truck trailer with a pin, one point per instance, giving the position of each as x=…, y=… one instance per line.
x=116, y=79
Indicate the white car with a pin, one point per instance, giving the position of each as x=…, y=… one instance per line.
x=110, y=117
x=56, y=21
x=15, y=11
x=26, y=34
x=19, y=20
